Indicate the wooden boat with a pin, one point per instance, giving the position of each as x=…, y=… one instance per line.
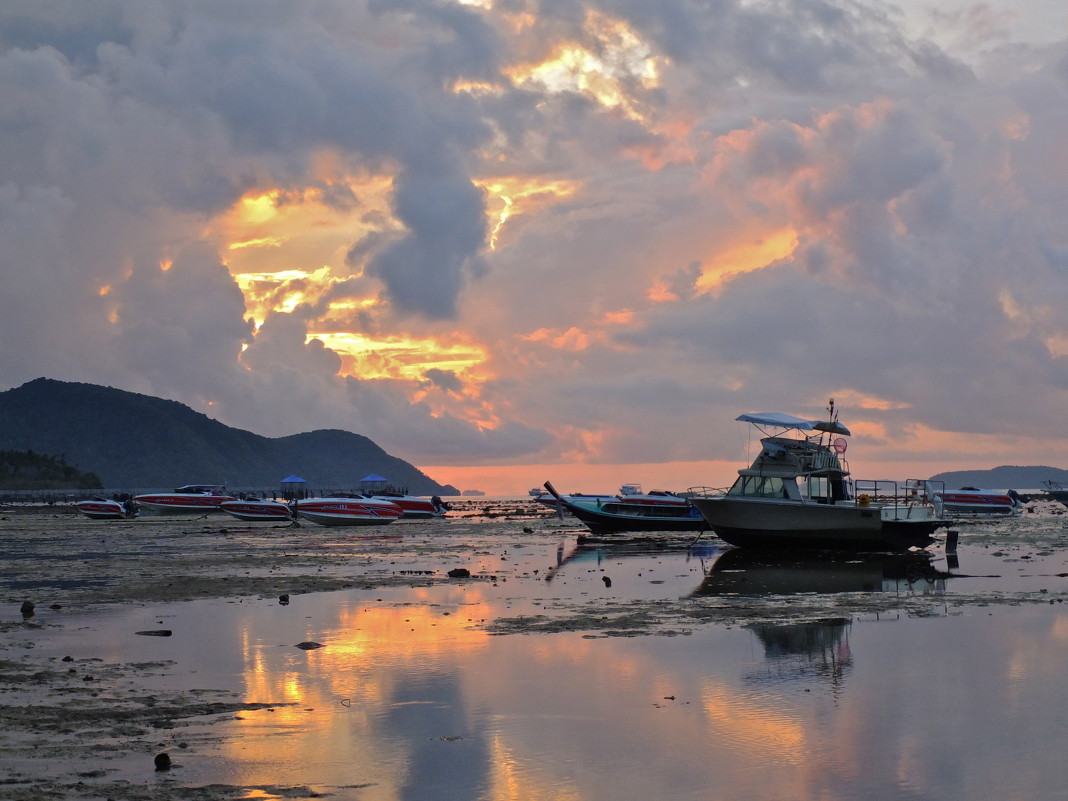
x=653, y=511
x=107, y=509
x=188, y=499
x=798, y=494
x=356, y=510
x=256, y=510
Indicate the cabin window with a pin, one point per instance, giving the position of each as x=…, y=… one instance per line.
x=760, y=486
x=817, y=488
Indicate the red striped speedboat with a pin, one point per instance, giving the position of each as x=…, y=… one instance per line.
x=106, y=509
x=190, y=499
x=415, y=507
x=256, y=510
x=354, y=510
x=968, y=501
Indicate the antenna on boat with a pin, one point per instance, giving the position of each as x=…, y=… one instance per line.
x=832, y=417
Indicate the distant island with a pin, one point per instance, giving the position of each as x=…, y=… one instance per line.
x=1004, y=477
x=473, y=492
x=37, y=471
x=126, y=441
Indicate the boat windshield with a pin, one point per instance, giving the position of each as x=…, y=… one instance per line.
x=759, y=486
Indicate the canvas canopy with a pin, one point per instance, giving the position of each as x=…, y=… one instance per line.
x=780, y=420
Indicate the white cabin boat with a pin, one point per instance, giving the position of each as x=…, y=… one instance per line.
x=798, y=494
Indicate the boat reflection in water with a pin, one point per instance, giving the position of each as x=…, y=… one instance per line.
x=743, y=572
x=816, y=650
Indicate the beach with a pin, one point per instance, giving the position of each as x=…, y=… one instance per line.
x=79, y=724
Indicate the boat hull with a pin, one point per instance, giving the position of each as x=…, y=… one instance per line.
x=963, y=503
x=178, y=503
x=413, y=507
x=790, y=525
x=348, y=511
x=620, y=515
x=258, y=511
x=103, y=510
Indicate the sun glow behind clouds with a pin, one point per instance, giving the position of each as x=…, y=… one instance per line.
x=601, y=68
x=509, y=196
x=745, y=257
x=399, y=357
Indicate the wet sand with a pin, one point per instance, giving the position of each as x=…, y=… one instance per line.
x=65, y=720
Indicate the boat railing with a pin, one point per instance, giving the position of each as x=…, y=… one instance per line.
x=704, y=492
x=877, y=491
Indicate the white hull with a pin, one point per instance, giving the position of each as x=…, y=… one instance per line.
x=348, y=511
x=258, y=511
x=974, y=503
x=177, y=503
x=751, y=522
x=103, y=510
x=414, y=507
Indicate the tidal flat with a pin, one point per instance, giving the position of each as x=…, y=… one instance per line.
x=280, y=662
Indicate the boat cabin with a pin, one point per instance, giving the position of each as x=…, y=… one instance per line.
x=794, y=469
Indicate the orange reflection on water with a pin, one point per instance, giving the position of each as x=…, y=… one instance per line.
x=757, y=725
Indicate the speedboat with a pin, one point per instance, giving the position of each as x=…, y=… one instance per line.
x=188, y=499
x=652, y=511
x=971, y=501
x=415, y=507
x=256, y=510
x=107, y=509
x=355, y=510
x=798, y=494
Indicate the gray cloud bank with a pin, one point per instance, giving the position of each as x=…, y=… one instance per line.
x=927, y=193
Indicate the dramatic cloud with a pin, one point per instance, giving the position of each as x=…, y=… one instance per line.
x=508, y=233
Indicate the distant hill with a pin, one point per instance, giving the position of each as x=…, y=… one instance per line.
x=1004, y=477
x=141, y=442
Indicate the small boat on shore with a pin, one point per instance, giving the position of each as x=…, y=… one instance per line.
x=188, y=499
x=974, y=502
x=107, y=509
x=798, y=494
x=414, y=507
x=1056, y=491
x=356, y=510
x=255, y=510
x=652, y=511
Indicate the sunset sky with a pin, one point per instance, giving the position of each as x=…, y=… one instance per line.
x=516, y=241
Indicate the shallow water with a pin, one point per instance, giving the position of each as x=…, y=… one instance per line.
x=694, y=675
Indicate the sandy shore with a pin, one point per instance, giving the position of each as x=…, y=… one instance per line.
x=64, y=721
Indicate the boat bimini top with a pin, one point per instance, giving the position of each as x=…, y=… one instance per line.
x=788, y=421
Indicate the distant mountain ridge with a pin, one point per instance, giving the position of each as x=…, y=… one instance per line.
x=138, y=441
x=1004, y=477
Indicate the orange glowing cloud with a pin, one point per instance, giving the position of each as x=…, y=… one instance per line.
x=573, y=339
x=600, y=71
x=399, y=357
x=509, y=196
x=746, y=256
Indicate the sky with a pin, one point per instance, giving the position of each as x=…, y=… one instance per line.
x=514, y=241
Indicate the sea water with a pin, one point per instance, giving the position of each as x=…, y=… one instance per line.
x=668, y=681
